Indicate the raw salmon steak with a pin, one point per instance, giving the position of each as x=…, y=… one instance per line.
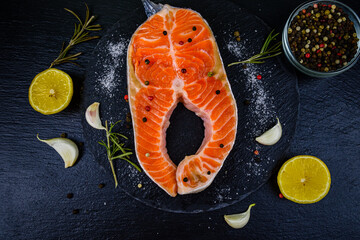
x=173, y=57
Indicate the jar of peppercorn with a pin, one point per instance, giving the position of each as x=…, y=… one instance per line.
x=321, y=38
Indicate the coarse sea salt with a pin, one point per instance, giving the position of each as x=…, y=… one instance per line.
x=108, y=80
x=262, y=108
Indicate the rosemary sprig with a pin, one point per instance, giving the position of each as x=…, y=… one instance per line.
x=113, y=146
x=81, y=34
x=265, y=52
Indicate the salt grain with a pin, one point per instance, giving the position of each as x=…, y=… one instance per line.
x=108, y=79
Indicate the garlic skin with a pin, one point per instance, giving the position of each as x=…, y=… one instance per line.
x=271, y=136
x=67, y=149
x=239, y=220
x=92, y=116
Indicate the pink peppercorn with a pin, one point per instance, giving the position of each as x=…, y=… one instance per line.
x=280, y=195
x=259, y=77
x=147, y=108
x=307, y=55
x=181, y=43
x=150, y=98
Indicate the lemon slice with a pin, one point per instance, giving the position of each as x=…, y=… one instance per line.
x=51, y=91
x=304, y=179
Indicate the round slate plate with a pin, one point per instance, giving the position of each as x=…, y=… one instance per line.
x=259, y=103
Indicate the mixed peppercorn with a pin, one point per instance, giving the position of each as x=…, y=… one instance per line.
x=322, y=37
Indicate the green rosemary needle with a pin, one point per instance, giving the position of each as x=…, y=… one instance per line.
x=265, y=52
x=81, y=34
x=113, y=146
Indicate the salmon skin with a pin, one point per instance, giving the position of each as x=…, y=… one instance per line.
x=173, y=57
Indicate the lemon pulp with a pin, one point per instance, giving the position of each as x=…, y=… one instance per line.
x=304, y=179
x=51, y=91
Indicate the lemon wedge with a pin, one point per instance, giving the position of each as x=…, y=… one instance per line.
x=304, y=179
x=239, y=220
x=67, y=149
x=51, y=91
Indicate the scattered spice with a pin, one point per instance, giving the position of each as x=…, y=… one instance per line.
x=183, y=70
x=238, y=39
x=256, y=152
x=194, y=28
x=101, y=185
x=139, y=185
x=327, y=33
x=128, y=117
x=75, y=211
x=63, y=135
x=185, y=179
x=150, y=98
x=147, y=154
x=189, y=40
x=165, y=33
x=259, y=77
x=181, y=43
x=147, y=61
x=144, y=119
x=221, y=145
x=70, y=195
x=217, y=92
x=146, y=83
x=147, y=108
x=126, y=97
x=280, y=195
x=236, y=34
x=208, y=172
x=246, y=102
x=210, y=74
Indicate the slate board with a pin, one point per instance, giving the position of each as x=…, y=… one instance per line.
x=243, y=172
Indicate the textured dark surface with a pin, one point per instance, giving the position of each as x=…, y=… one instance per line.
x=243, y=172
x=34, y=184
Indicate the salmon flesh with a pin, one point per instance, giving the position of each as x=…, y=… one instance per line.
x=173, y=57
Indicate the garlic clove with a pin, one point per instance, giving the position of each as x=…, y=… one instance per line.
x=271, y=136
x=92, y=116
x=239, y=220
x=67, y=149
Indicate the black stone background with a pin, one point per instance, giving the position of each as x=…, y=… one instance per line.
x=34, y=183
